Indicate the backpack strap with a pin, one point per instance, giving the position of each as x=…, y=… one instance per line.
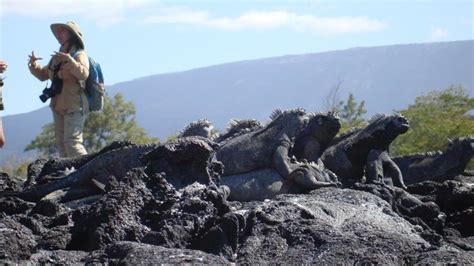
x=73, y=55
x=82, y=84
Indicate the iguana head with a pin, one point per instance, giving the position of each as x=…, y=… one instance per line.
x=201, y=127
x=323, y=127
x=398, y=124
x=461, y=147
x=291, y=121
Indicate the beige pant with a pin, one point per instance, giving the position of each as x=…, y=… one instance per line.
x=68, y=130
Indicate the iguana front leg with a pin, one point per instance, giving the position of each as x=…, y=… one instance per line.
x=392, y=170
x=281, y=162
x=379, y=164
x=374, y=166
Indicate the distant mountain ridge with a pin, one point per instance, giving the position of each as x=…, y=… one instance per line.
x=387, y=77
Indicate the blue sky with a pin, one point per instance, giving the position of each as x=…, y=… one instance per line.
x=136, y=38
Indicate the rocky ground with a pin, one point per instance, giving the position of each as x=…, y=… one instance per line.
x=171, y=210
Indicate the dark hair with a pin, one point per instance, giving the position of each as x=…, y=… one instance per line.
x=74, y=41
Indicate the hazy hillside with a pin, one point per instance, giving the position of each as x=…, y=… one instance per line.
x=387, y=78
x=20, y=130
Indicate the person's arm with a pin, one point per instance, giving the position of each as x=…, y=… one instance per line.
x=3, y=67
x=2, y=137
x=41, y=73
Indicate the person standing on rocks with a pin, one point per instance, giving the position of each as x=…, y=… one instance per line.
x=68, y=69
x=3, y=67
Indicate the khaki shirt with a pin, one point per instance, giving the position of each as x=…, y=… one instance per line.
x=72, y=97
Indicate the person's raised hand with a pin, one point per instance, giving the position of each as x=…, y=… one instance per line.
x=32, y=59
x=3, y=66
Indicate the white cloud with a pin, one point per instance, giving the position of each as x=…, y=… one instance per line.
x=104, y=12
x=177, y=15
x=269, y=20
x=109, y=12
x=251, y=20
x=439, y=33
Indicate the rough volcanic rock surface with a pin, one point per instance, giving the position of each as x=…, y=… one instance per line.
x=185, y=161
x=456, y=199
x=16, y=241
x=177, y=221
x=451, y=196
x=13, y=205
x=425, y=214
x=58, y=257
x=328, y=225
x=442, y=257
x=114, y=217
x=8, y=183
x=132, y=253
x=169, y=209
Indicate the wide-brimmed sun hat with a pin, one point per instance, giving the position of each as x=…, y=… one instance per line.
x=71, y=26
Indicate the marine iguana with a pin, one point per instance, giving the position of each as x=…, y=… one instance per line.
x=315, y=137
x=94, y=174
x=267, y=183
x=239, y=127
x=201, y=127
x=265, y=148
x=359, y=151
x=42, y=169
x=437, y=166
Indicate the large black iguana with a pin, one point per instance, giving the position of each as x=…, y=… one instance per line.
x=264, y=148
x=96, y=172
x=41, y=170
x=365, y=151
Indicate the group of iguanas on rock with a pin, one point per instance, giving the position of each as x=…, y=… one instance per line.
x=258, y=164
x=299, y=151
x=295, y=152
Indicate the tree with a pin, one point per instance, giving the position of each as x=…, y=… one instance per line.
x=351, y=113
x=115, y=122
x=45, y=141
x=434, y=118
x=333, y=98
x=16, y=167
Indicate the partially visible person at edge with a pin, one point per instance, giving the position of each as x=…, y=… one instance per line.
x=3, y=67
x=70, y=106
